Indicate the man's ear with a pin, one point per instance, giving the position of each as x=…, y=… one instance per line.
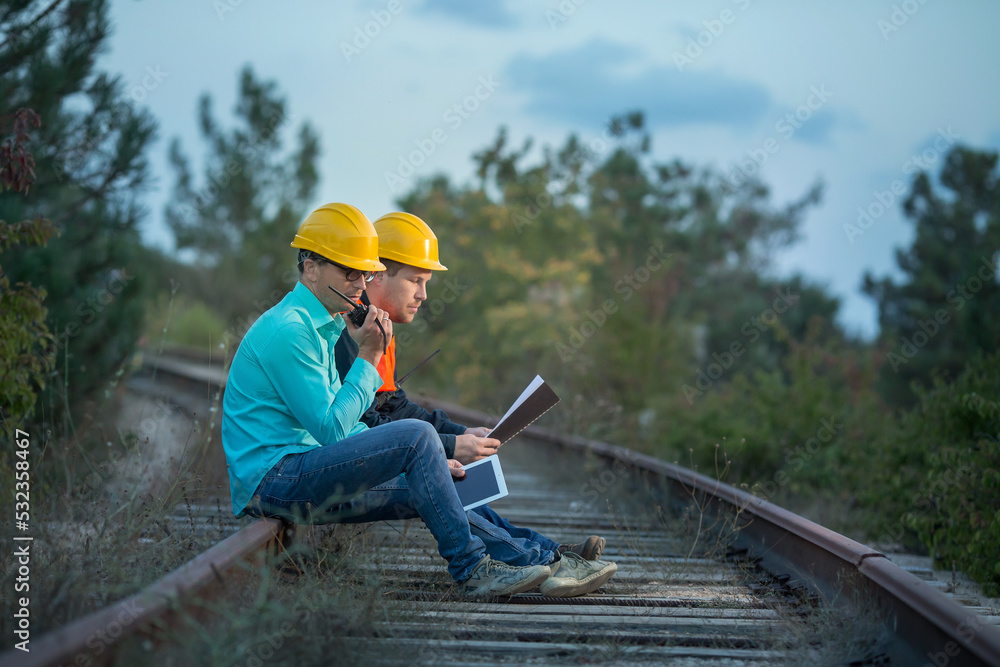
x=309, y=269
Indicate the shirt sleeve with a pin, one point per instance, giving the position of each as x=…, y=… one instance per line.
x=294, y=360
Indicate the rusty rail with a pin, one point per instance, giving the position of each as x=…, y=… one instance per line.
x=88, y=640
x=929, y=627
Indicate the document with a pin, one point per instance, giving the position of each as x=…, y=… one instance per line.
x=533, y=402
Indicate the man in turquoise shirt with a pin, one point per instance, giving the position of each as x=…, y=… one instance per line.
x=291, y=430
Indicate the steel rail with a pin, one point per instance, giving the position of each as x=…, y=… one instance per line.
x=926, y=623
x=89, y=640
x=929, y=627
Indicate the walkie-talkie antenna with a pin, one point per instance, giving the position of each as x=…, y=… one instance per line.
x=343, y=296
x=403, y=379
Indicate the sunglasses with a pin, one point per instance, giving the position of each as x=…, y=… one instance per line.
x=353, y=274
x=349, y=273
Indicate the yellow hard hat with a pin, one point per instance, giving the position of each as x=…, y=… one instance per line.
x=405, y=238
x=341, y=233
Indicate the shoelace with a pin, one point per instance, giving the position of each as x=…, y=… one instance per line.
x=498, y=567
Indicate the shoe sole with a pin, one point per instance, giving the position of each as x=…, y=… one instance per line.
x=575, y=587
x=514, y=589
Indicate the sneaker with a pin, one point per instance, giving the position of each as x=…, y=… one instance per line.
x=591, y=548
x=493, y=577
x=572, y=575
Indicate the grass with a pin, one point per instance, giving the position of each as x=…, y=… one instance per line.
x=326, y=606
x=103, y=505
x=183, y=320
x=844, y=628
x=107, y=541
x=92, y=546
x=122, y=515
x=115, y=508
x=302, y=610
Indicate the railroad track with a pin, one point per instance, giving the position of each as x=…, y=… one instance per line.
x=707, y=575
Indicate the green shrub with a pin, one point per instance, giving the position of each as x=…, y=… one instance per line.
x=187, y=322
x=805, y=429
x=956, y=512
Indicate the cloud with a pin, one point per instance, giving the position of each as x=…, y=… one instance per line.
x=479, y=13
x=589, y=84
x=817, y=129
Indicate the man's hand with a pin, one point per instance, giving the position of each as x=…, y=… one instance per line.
x=455, y=468
x=469, y=448
x=368, y=336
x=479, y=431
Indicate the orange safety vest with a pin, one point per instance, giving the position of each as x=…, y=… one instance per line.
x=387, y=368
x=387, y=364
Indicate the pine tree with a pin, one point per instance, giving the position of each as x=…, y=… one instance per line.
x=89, y=154
x=946, y=305
x=242, y=217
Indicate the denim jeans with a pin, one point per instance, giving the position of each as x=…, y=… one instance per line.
x=512, y=544
x=504, y=542
x=321, y=486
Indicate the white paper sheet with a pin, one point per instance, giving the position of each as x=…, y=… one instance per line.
x=535, y=384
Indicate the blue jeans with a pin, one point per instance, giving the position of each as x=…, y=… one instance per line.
x=318, y=486
x=511, y=544
x=504, y=542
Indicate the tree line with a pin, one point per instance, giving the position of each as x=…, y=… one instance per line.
x=645, y=291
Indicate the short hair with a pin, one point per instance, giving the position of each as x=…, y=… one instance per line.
x=392, y=267
x=309, y=254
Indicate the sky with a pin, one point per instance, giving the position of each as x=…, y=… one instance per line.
x=858, y=94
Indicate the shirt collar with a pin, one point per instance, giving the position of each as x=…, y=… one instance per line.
x=320, y=316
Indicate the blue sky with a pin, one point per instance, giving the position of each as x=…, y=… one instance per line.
x=848, y=92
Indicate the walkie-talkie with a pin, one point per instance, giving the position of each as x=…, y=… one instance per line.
x=360, y=312
x=358, y=315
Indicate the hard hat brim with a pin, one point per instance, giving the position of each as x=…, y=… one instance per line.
x=411, y=261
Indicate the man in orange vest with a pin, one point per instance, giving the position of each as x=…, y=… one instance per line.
x=409, y=250
x=291, y=430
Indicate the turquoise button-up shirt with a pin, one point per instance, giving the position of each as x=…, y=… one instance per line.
x=284, y=395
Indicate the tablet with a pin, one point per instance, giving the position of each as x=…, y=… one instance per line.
x=483, y=483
